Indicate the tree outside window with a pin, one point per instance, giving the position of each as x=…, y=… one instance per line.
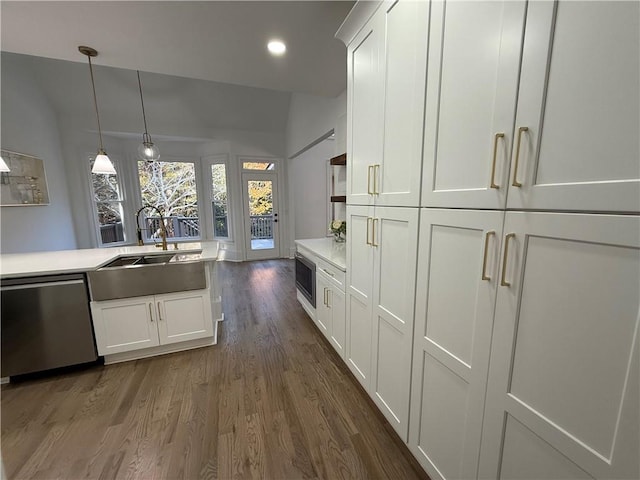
x=170, y=186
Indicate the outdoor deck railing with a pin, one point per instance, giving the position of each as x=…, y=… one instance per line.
x=261, y=226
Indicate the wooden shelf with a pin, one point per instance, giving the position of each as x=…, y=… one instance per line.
x=339, y=160
x=339, y=198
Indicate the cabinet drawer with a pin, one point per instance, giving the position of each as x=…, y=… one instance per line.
x=333, y=274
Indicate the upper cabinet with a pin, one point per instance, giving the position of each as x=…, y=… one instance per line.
x=386, y=74
x=474, y=57
x=578, y=113
x=569, y=74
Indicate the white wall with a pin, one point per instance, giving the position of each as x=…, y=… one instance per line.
x=309, y=190
x=29, y=125
x=311, y=118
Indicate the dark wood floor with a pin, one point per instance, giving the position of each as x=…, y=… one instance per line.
x=271, y=400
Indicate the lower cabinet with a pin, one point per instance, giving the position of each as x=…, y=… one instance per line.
x=380, y=291
x=142, y=322
x=540, y=318
x=330, y=314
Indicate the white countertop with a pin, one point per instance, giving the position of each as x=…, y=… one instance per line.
x=83, y=260
x=327, y=249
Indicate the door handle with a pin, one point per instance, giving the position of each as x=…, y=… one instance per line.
x=368, y=221
x=504, y=282
x=151, y=311
x=493, y=164
x=369, y=191
x=159, y=313
x=376, y=179
x=373, y=233
x=484, y=258
x=329, y=295
x=515, y=182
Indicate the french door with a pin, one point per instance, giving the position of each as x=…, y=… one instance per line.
x=260, y=199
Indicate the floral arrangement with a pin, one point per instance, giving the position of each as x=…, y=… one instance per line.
x=339, y=229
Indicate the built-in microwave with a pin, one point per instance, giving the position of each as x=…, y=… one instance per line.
x=306, y=278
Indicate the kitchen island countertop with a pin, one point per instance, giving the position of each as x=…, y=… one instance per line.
x=14, y=265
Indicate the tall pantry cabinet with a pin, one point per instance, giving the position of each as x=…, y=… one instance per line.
x=386, y=68
x=527, y=274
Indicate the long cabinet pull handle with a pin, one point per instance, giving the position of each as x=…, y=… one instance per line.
x=328, y=272
x=495, y=155
x=368, y=230
x=515, y=182
x=504, y=282
x=376, y=179
x=159, y=313
x=369, y=190
x=486, y=252
x=151, y=311
x=373, y=233
x=329, y=295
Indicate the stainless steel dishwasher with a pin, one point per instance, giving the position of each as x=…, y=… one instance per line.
x=46, y=323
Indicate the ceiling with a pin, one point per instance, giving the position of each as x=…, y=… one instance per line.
x=207, y=40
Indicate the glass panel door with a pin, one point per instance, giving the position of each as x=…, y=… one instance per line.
x=261, y=215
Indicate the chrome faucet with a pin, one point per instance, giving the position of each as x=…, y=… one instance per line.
x=163, y=227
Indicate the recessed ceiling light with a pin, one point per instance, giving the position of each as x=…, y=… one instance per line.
x=276, y=47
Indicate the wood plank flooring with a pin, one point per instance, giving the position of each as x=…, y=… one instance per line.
x=270, y=401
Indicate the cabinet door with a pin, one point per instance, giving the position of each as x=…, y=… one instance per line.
x=364, y=110
x=562, y=397
x=579, y=101
x=338, y=323
x=474, y=55
x=323, y=312
x=184, y=316
x=125, y=325
x=395, y=240
x=397, y=179
x=455, y=302
x=359, y=291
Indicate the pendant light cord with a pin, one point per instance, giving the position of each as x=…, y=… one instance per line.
x=95, y=102
x=144, y=116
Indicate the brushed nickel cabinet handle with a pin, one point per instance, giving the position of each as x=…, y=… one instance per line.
x=495, y=155
x=484, y=258
x=159, y=313
x=504, y=282
x=329, y=295
x=328, y=272
x=515, y=182
x=369, y=191
x=151, y=311
x=368, y=221
x=373, y=233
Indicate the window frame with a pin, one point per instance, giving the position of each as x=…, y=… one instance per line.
x=198, y=177
x=207, y=163
x=118, y=165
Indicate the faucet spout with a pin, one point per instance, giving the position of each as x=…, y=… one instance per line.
x=163, y=227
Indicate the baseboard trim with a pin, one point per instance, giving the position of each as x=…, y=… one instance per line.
x=163, y=349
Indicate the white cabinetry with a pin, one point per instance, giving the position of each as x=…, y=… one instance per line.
x=143, y=322
x=457, y=281
x=330, y=314
x=381, y=265
x=579, y=101
x=562, y=398
x=386, y=72
x=474, y=57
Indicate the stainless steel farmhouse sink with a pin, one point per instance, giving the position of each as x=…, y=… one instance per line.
x=139, y=275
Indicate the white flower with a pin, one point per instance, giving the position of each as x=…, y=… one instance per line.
x=336, y=224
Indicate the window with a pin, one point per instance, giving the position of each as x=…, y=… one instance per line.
x=258, y=166
x=108, y=200
x=170, y=186
x=219, y=200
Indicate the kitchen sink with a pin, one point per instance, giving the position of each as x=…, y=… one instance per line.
x=141, y=275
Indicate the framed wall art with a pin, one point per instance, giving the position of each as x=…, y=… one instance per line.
x=25, y=183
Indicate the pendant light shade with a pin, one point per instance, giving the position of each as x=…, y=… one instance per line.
x=3, y=166
x=102, y=164
x=147, y=150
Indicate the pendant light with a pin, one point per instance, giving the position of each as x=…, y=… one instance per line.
x=147, y=150
x=102, y=164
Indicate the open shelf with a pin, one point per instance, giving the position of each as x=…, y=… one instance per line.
x=339, y=160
